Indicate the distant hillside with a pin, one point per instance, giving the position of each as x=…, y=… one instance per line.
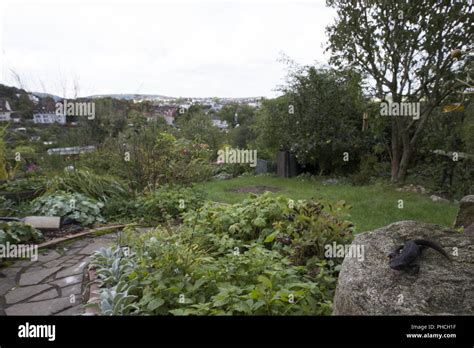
x=45, y=95
x=163, y=97
x=20, y=100
x=131, y=96
x=13, y=94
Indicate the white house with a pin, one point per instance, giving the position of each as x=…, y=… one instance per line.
x=5, y=110
x=168, y=112
x=219, y=123
x=48, y=118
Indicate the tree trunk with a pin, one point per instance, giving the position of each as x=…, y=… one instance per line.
x=396, y=152
x=407, y=151
x=402, y=172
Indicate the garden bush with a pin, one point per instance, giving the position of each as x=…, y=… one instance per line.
x=15, y=232
x=171, y=274
x=24, y=184
x=72, y=205
x=300, y=228
x=147, y=158
x=167, y=202
x=170, y=202
x=6, y=206
x=264, y=256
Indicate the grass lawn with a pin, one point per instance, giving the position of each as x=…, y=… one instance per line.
x=372, y=206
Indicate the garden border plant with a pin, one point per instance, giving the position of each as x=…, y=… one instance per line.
x=263, y=256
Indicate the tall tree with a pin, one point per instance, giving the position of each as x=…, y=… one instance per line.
x=318, y=118
x=237, y=114
x=408, y=50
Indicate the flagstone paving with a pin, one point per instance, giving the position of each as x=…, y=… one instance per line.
x=52, y=285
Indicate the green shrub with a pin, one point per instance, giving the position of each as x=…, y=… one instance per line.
x=171, y=201
x=442, y=175
x=365, y=172
x=234, y=169
x=174, y=275
x=264, y=256
x=159, y=205
x=275, y=221
x=72, y=205
x=6, y=206
x=19, y=185
x=146, y=158
x=123, y=210
x=17, y=232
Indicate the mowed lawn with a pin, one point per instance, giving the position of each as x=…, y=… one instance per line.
x=371, y=206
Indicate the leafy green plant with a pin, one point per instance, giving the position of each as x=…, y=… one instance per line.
x=124, y=210
x=261, y=257
x=173, y=275
x=300, y=229
x=6, y=206
x=234, y=169
x=156, y=158
x=111, y=266
x=170, y=202
x=17, y=232
x=18, y=185
x=7, y=170
x=163, y=204
x=73, y=205
x=116, y=300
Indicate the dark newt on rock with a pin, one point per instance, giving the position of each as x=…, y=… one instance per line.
x=405, y=256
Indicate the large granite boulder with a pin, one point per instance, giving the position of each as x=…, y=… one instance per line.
x=465, y=216
x=371, y=287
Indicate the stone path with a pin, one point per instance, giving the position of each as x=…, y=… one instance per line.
x=52, y=285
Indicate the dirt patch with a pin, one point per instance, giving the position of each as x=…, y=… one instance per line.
x=65, y=231
x=254, y=189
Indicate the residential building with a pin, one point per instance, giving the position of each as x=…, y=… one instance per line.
x=48, y=118
x=46, y=114
x=5, y=110
x=168, y=112
x=219, y=123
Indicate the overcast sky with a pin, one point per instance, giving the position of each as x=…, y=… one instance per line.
x=200, y=48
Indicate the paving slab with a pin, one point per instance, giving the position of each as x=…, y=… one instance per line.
x=30, y=278
x=53, y=284
x=22, y=293
x=73, y=251
x=71, y=290
x=24, y=263
x=71, y=263
x=10, y=272
x=53, y=293
x=76, y=310
x=48, y=256
x=5, y=285
x=80, y=243
x=47, y=307
x=97, y=244
x=35, y=268
x=78, y=268
x=55, y=263
x=66, y=281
